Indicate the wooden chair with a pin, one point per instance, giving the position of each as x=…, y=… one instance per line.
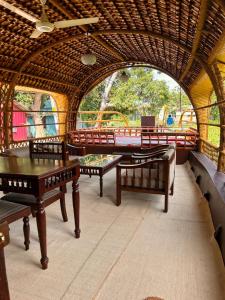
x=49, y=150
x=154, y=150
x=151, y=153
x=56, y=151
x=11, y=212
x=155, y=175
x=4, y=240
x=75, y=150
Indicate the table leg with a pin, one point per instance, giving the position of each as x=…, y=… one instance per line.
x=41, y=226
x=101, y=185
x=4, y=291
x=76, y=207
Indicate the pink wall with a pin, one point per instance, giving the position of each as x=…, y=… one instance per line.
x=19, y=118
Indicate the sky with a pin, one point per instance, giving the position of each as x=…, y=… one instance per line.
x=170, y=82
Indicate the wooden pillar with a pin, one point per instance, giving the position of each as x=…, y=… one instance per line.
x=6, y=106
x=72, y=111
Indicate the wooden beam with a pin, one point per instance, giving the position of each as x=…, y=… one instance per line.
x=17, y=11
x=197, y=38
x=85, y=29
x=40, y=78
x=34, y=55
x=108, y=32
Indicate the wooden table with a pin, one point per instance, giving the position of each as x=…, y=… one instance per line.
x=98, y=164
x=36, y=177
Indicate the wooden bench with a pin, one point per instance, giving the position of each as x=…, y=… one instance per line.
x=211, y=183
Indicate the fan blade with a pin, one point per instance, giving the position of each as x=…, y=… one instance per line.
x=35, y=34
x=70, y=23
x=18, y=11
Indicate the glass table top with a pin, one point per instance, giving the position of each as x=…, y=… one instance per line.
x=97, y=160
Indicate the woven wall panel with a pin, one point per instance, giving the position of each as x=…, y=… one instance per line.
x=44, y=85
x=192, y=74
x=214, y=26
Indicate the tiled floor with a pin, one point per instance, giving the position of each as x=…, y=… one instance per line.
x=124, y=253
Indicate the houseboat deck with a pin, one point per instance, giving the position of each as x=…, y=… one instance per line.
x=129, y=252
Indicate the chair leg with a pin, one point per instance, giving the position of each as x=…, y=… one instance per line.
x=118, y=196
x=166, y=203
x=33, y=212
x=172, y=189
x=26, y=231
x=63, y=208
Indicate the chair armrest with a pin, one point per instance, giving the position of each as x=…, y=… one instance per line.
x=74, y=150
x=139, y=165
x=152, y=152
x=146, y=155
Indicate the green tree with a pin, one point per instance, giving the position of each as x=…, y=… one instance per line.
x=137, y=93
x=27, y=99
x=178, y=99
x=140, y=93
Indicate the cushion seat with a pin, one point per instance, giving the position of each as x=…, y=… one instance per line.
x=29, y=199
x=8, y=209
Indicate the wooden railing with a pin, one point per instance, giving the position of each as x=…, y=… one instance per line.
x=85, y=137
x=149, y=136
x=182, y=139
x=99, y=121
x=137, y=131
x=209, y=150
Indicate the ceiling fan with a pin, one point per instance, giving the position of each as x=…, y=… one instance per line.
x=44, y=25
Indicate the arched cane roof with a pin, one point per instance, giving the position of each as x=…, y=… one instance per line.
x=179, y=37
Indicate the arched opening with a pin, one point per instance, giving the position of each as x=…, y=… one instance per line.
x=137, y=91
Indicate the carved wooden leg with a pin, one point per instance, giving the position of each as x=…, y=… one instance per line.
x=101, y=185
x=4, y=290
x=41, y=226
x=118, y=189
x=76, y=207
x=63, y=208
x=26, y=231
x=166, y=203
x=118, y=197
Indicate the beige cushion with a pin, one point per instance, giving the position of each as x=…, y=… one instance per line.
x=171, y=156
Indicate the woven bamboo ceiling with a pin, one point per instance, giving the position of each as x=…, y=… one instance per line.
x=178, y=37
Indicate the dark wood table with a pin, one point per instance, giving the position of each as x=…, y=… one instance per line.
x=98, y=164
x=36, y=177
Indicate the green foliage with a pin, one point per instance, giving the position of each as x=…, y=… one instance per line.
x=178, y=100
x=24, y=98
x=214, y=113
x=139, y=95
x=214, y=135
x=92, y=101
